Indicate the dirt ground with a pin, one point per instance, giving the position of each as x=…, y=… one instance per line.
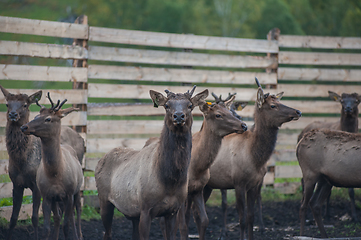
x=280, y=219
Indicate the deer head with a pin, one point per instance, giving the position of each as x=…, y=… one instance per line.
x=18, y=105
x=178, y=107
x=220, y=118
x=349, y=102
x=274, y=112
x=232, y=107
x=48, y=123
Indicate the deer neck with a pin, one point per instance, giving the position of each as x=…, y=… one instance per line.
x=174, y=154
x=52, y=155
x=205, y=148
x=349, y=123
x=263, y=142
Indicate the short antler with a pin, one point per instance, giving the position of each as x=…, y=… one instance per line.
x=218, y=99
x=192, y=91
x=57, y=106
x=37, y=103
x=61, y=104
x=259, y=85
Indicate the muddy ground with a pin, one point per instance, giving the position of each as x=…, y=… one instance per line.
x=280, y=218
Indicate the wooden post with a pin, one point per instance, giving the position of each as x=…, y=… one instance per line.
x=83, y=19
x=273, y=34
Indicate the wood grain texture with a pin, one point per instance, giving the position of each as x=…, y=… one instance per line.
x=293, y=41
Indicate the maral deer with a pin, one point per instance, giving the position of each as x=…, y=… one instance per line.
x=241, y=160
x=218, y=122
x=328, y=158
x=151, y=182
x=347, y=123
x=59, y=176
x=25, y=153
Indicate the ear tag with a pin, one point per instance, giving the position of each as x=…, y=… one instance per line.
x=239, y=108
x=209, y=103
x=335, y=98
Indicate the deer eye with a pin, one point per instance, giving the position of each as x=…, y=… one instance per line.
x=273, y=106
x=48, y=119
x=25, y=105
x=7, y=105
x=218, y=116
x=190, y=106
x=166, y=106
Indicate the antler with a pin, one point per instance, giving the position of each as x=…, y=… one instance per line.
x=37, y=103
x=61, y=104
x=192, y=91
x=218, y=99
x=58, y=104
x=259, y=85
x=229, y=96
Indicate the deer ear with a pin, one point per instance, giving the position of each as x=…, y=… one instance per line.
x=204, y=107
x=334, y=96
x=5, y=92
x=199, y=98
x=260, y=97
x=35, y=96
x=65, y=112
x=279, y=95
x=157, y=98
x=229, y=102
x=239, y=106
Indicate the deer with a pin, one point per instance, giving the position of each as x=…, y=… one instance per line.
x=328, y=158
x=25, y=153
x=151, y=182
x=348, y=123
x=242, y=158
x=59, y=175
x=218, y=122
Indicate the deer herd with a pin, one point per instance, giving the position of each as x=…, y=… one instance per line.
x=173, y=175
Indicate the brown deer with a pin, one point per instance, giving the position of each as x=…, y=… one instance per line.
x=241, y=160
x=218, y=122
x=328, y=158
x=25, y=153
x=59, y=176
x=151, y=182
x=347, y=123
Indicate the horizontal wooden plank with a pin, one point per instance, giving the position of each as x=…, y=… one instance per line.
x=315, y=106
x=97, y=90
x=26, y=211
x=74, y=96
x=293, y=41
x=317, y=58
x=4, y=166
x=188, y=41
x=179, y=58
x=269, y=178
x=288, y=188
x=74, y=119
x=43, y=73
x=312, y=90
x=6, y=190
x=285, y=155
x=89, y=183
x=286, y=171
x=319, y=74
x=42, y=50
x=104, y=145
x=43, y=28
x=304, y=121
x=179, y=75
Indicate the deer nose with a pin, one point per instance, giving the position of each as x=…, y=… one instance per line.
x=178, y=117
x=348, y=109
x=299, y=113
x=23, y=128
x=244, y=127
x=13, y=116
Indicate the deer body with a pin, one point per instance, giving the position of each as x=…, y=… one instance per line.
x=241, y=160
x=328, y=158
x=59, y=176
x=25, y=153
x=348, y=123
x=151, y=182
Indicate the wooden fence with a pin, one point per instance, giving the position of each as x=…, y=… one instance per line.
x=113, y=70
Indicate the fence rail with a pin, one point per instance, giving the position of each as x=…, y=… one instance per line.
x=117, y=110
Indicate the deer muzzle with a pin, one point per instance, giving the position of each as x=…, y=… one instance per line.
x=179, y=118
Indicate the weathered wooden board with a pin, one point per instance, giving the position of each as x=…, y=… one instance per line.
x=319, y=74
x=74, y=96
x=318, y=58
x=304, y=121
x=187, y=41
x=6, y=190
x=26, y=211
x=286, y=171
x=293, y=41
x=179, y=58
x=42, y=50
x=4, y=166
x=313, y=90
x=73, y=119
x=179, y=75
x=43, y=73
x=104, y=145
x=43, y=28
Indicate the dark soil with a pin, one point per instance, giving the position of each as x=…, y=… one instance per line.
x=280, y=218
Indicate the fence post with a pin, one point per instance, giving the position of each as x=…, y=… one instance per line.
x=273, y=34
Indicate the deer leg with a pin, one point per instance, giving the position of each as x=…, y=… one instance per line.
x=241, y=207
x=183, y=219
x=57, y=218
x=259, y=205
x=46, y=213
x=170, y=226
x=207, y=191
x=200, y=208
x=322, y=191
x=36, y=205
x=18, y=193
x=162, y=226
x=144, y=224
x=351, y=193
x=135, y=234
x=224, y=213
x=106, y=213
x=327, y=208
x=78, y=214
x=69, y=223
x=307, y=194
x=251, y=199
